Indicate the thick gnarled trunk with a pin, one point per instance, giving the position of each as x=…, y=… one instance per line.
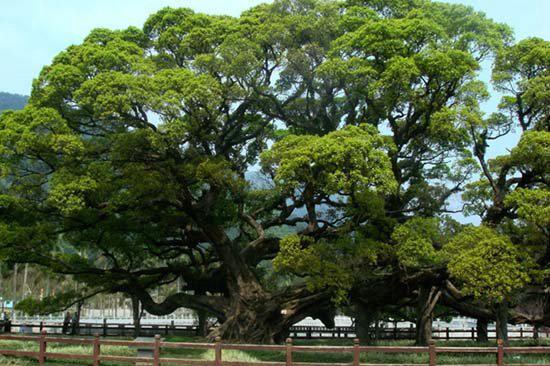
x=260, y=321
x=267, y=317
x=246, y=316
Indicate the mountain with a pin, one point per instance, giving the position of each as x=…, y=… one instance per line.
x=12, y=101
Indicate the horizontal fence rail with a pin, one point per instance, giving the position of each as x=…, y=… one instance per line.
x=157, y=345
x=106, y=329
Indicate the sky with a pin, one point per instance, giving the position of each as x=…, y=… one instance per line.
x=32, y=32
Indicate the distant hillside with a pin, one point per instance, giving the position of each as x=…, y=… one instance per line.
x=12, y=101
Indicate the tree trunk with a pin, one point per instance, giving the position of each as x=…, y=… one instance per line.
x=427, y=299
x=48, y=285
x=246, y=316
x=253, y=315
x=202, y=326
x=502, y=322
x=364, y=319
x=25, y=278
x=376, y=329
x=266, y=317
x=249, y=313
x=75, y=323
x=481, y=329
x=423, y=331
x=252, y=320
x=136, y=313
x=536, y=329
x=14, y=286
x=202, y=316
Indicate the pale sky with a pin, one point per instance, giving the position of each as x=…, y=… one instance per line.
x=32, y=32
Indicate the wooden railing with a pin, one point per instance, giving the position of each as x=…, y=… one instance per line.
x=106, y=329
x=218, y=346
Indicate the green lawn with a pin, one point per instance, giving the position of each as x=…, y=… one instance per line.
x=255, y=356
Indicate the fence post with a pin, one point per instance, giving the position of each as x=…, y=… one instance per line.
x=500, y=353
x=356, y=352
x=104, y=327
x=432, y=353
x=42, y=348
x=289, y=352
x=156, y=351
x=308, y=333
x=447, y=333
x=218, y=352
x=97, y=349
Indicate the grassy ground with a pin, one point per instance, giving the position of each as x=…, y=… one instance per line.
x=256, y=356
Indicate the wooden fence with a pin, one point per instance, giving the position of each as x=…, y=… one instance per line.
x=289, y=349
x=105, y=329
x=297, y=332
x=306, y=332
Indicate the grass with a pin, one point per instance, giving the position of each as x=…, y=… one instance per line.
x=258, y=356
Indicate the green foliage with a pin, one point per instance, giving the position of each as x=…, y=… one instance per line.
x=350, y=160
x=417, y=241
x=335, y=265
x=532, y=205
x=532, y=153
x=487, y=264
x=522, y=72
x=48, y=305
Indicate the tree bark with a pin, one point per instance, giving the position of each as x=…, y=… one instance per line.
x=254, y=314
x=202, y=316
x=502, y=322
x=136, y=313
x=202, y=326
x=252, y=322
x=14, y=286
x=427, y=299
x=481, y=329
x=25, y=278
x=376, y=329
x=363, y=320
x=48, y=285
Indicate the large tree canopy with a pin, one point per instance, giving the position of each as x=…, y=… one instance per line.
x=130, y=168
